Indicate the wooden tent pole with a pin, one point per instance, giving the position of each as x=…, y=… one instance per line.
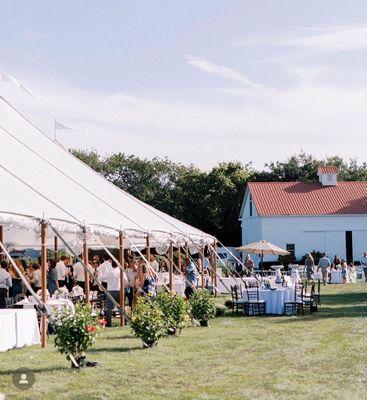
x=56, y=248
x=43, y=281
x=179, y=259
x=122, y=282
x=202, y=266
x=1, y=239
x=215, y=264
x=170, y=285
x=186, y=251
x=147, y=250
x=86, y=274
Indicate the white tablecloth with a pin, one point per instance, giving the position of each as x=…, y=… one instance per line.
x=52, y=305
x=336, y=277
x=228, y=282
x=18, y=328
x=274, y=299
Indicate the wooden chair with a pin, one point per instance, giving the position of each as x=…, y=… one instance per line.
x=295, y=306
x=308, y=296
x=317, y=294
x=253, y=305
x=237, y=300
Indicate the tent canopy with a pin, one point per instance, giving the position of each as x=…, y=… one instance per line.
x=42, y=180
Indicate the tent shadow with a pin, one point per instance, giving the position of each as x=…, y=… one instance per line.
x=38, y=370
x=115, y=349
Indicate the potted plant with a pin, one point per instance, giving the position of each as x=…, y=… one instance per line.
x=148, y=321
x=174, y=309
x=202, y=306
x=76, y=331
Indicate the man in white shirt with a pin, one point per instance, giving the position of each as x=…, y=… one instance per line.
x=364, y=265
x=112, y=278
x=5, y=283
x=62, y=270
x=154, y=263
x=79, y=273
x=105, y=267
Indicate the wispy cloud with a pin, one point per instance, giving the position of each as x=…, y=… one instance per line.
x=222, y=71
x=35, y=36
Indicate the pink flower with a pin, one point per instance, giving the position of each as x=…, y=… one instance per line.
x=91, y=328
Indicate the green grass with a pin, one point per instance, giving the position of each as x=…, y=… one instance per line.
x=323, y=355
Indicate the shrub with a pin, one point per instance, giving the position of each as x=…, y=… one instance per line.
x=220, y=310
x=228, y=304
x=202, y=306
x=174, y=309
x=148, y=321
x=76, y=331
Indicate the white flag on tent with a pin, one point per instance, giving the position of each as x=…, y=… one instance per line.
x=4, y=77
x=61, y=125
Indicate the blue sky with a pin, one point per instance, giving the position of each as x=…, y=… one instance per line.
x=197, y=81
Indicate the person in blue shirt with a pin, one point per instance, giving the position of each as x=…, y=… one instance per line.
x=191, y=279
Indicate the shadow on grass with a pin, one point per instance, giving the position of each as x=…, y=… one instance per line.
x=344, y=298
x=115, y=349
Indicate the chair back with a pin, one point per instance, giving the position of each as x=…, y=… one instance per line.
x=236, y=292
x=252, y=293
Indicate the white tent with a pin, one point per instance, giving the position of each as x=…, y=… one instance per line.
x=40, y=179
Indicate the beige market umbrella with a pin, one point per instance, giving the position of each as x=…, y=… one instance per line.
x=263, y=247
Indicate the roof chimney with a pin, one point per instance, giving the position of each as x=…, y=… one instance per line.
x=328, y=175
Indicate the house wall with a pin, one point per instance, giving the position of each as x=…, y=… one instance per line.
x=307, y=233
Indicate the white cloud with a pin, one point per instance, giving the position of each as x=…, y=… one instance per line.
x=221, y=71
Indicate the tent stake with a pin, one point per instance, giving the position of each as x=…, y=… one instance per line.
x=43, y=281
x=122, y=283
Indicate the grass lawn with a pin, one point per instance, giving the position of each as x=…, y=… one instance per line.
x=321, y=356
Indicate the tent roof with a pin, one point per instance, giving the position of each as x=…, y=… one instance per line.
x=42, y=179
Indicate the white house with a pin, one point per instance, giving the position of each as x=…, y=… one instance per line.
x=329, y=216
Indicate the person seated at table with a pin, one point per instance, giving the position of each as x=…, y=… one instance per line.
x=249, y=265
x=77, y=291
x=344, y=270
x=5, y=283
x=336, y=261
x=52, y=282
x=37, y=277
x=16, y=279
x=112, y=278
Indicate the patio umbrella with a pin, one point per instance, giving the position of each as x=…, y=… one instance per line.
x=263, y=247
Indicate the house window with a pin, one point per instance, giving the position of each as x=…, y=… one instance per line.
x=329, y=177
x=291, y=248
x=250, y=206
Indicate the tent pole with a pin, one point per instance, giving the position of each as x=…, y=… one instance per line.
x=147, y=248
x=179, y=260
x=202, y=266
x=186, y=250
x=213, y=265
x=122, y=282
x=1, y=240
x=56, y=248
x=170, y=285
x=86, y=274
x=43, y=281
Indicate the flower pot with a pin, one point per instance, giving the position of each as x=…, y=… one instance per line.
x=150, y=343
x=204, y=323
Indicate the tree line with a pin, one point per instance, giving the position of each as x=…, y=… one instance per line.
x=209, y=200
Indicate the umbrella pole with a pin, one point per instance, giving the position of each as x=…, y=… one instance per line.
x=262, y=263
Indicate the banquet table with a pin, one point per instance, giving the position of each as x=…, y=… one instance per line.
x=274, y=298
x=52, y=305
x=223, y=282
x=336, y=277
x=178, y=284
x=18, y=328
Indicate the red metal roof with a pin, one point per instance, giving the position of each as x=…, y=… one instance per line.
x=328, y=170
x=300, y=198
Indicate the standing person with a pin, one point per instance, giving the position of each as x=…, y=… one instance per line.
x=95, y=266
x=52, y=283
x=345, y=271
x=112, y=278
x=105, y=267
x=310, y=266
x=62, y=270
x=191, y=280
x=16, y=279
x=148, y=286
x=336, y=261
x=364, y=265
x=131, y=272
x=5, y=283
x=154, y=263
x=324, y=264
x=79, y=274
x=37, y=277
